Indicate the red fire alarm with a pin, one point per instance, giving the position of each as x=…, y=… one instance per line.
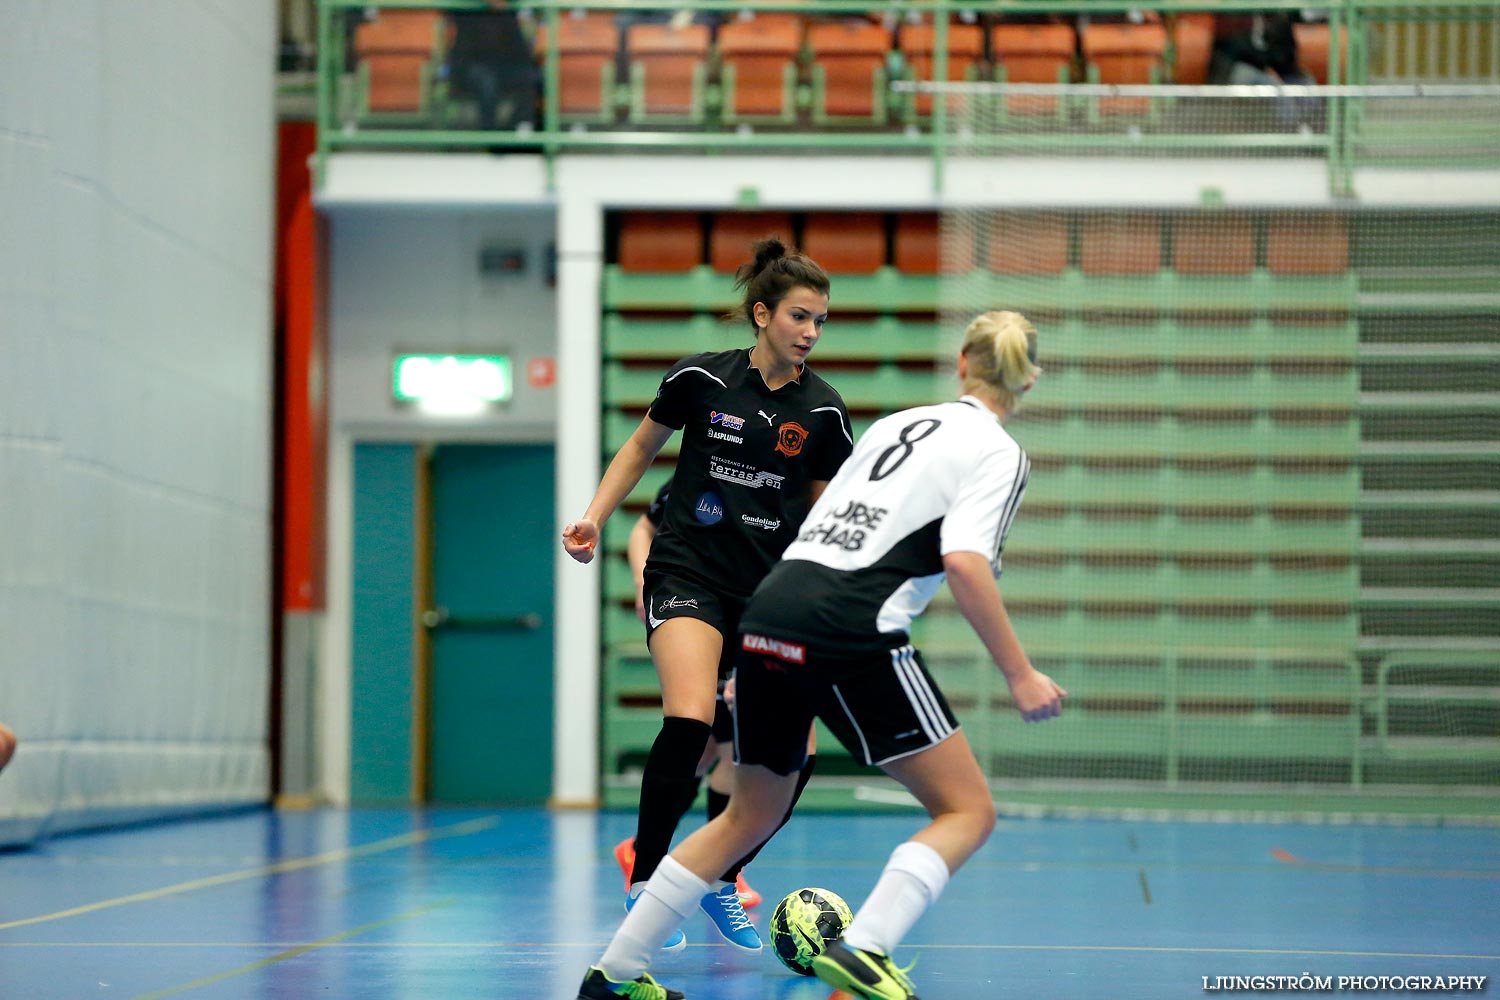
x=541, y=372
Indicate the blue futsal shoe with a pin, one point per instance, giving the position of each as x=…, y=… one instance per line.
x=676, y=942
x=724, y=908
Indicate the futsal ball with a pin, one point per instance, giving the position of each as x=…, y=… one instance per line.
x=806, y=922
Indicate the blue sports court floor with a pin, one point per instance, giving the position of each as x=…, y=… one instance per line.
x=497, y=904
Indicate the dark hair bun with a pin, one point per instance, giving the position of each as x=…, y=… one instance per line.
x=767, y=282
x=768, y=250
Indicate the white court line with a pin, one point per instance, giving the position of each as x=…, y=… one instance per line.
x=280, y=867
x=292, y=952
x=914, y=946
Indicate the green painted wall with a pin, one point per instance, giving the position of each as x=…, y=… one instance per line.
x=385, y=481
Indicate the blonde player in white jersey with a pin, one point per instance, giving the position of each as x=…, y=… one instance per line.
x=928, y=492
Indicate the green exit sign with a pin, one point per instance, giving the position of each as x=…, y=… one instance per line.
x=453, y=383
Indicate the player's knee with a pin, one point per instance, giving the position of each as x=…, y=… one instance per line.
x=984, y=823
x=689, y=708
x=749, y=816
x=679, y=745
x=978, y=820
x=7, y=744
x=757, y=820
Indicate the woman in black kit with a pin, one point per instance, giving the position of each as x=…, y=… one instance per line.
x=718, y=757
x=762, y=435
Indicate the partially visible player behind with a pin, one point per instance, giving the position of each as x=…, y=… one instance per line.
x=718, y=757
x=7, y=745
x=928, y=492
x=762, y=435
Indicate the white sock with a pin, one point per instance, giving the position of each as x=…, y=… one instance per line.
x=912, y=881
x=665, y=901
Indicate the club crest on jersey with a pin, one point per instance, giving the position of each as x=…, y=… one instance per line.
x=790, y=437
x=708, y=508
x=728, y=420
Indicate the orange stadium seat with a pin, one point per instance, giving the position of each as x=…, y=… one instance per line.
x=918, y=246
x=661, y=241
x=587, y=45
x=1312, y=50
x=1192, y=48
x=396, y=48
x=760, y=66
x=849, y=59
x=731, y=234
x=1121, y=244
x=1125, y=54
x=1033, y=53
x=1317, y=244
x=1029, y=243
x=1213, y=244
x=965, y=49
x=845, y=242
x=669, y=65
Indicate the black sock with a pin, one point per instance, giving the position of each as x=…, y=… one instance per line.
x=667, y=789
x=717, y=803
x=802, y=779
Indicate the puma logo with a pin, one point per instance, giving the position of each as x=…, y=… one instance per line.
x=768, y=419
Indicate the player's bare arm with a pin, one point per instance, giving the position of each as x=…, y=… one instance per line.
x=625, y=470
x=972, y=581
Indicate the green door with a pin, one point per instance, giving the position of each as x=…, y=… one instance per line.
x=490, y=624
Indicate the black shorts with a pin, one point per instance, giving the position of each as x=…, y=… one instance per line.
x=672, y=595
x=882, y=706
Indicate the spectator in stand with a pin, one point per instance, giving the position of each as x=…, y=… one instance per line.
x=491, y=62
x=1261, y=50
x=1256, y=49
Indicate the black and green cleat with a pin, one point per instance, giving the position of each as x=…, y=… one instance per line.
x=597, y=986
x=863, y=973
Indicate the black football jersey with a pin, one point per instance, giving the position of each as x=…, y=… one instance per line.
x=748, y=456
x=922, y=483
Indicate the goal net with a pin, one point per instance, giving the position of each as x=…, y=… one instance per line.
x=1260, y=546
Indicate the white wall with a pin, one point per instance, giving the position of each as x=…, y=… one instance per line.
x=404, y=275
x=409, y=280
x=136, y=193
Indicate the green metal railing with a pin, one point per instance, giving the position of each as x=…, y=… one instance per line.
x=1345, y=135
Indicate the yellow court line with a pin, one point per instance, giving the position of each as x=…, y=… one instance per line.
x=301, y=949
x=1288, y=858
x=281, y=867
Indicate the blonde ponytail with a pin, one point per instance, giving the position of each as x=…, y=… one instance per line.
x=1001, y=350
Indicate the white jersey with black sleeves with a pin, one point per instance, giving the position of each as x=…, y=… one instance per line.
x=920, y=484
